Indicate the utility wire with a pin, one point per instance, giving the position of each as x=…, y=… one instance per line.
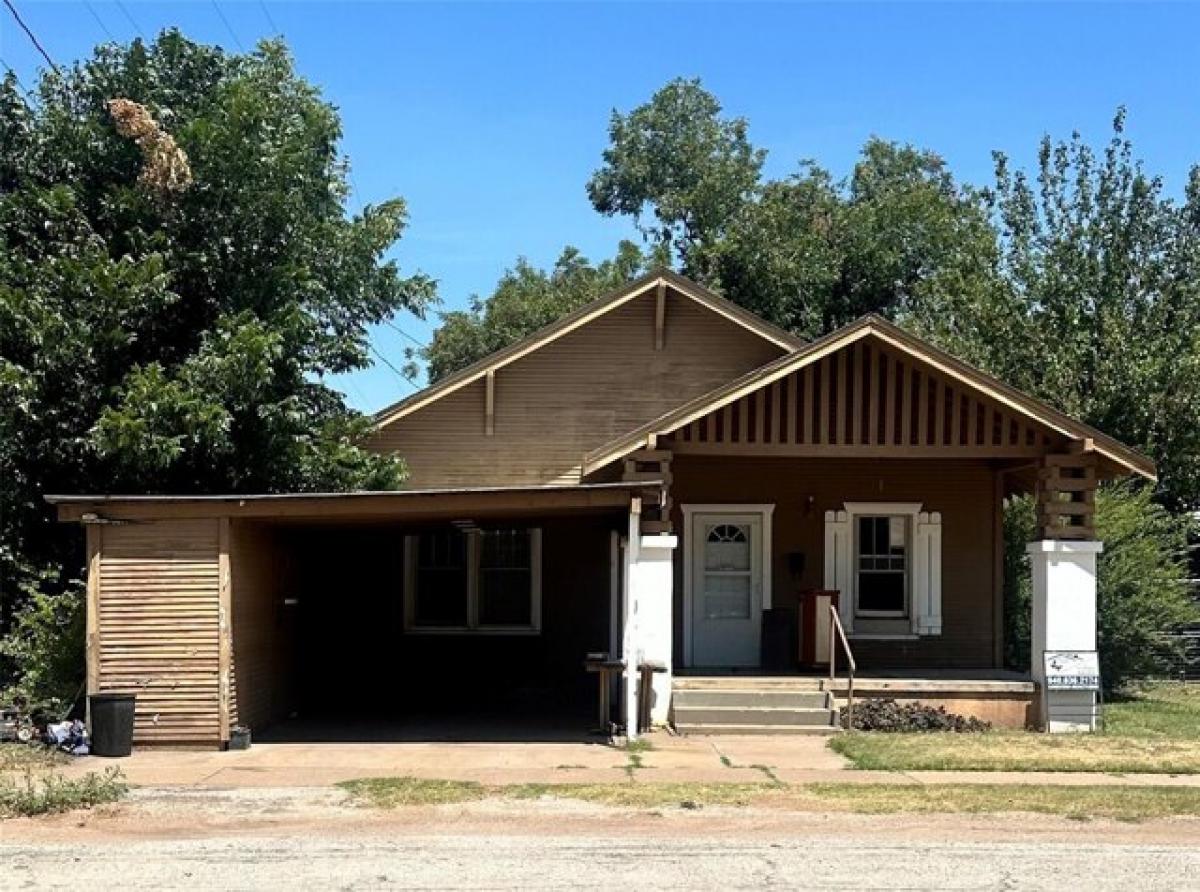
x=16, y=76
x=399, y=374
x=228, y=26
x=100, y=21
x=267, y=13
x=32, y=37
x=136, y=26
x=390, y=324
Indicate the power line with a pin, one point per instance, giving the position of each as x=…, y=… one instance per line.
x=36, y=43
x=100, y=21
x=390, y=324
x=13, y=72
x=400, y=375
x=136, y=26
x=228, y=26
x=267, y=13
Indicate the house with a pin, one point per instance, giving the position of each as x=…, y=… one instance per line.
x=659, y=475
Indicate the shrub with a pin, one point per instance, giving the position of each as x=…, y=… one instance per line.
x=44, y=652
x=55, y=793
x=1143, y=592
x=885, y=714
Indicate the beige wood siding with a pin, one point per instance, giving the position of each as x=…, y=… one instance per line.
x=964, y=491
x=862, y=397
x=573, y=395
x=158, y=606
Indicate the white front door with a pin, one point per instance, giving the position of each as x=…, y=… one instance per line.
x=726, y=589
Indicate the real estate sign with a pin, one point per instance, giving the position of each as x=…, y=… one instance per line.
x=1072, y=670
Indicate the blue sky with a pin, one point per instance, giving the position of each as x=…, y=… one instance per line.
x=489, y=118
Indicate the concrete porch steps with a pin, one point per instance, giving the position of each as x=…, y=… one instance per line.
x=752, y=706
x=748, y=683
x=714, y=730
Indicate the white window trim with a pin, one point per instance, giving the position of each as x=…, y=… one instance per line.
x=473, y=554
x=924, y=598
x=765, y=511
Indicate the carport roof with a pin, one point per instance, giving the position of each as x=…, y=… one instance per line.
x=451, y=501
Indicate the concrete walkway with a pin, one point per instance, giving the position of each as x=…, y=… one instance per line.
x=729, y=759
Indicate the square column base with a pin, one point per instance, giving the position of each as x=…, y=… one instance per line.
x=1071, y=712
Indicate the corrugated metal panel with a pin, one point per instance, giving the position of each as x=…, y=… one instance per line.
x=158, y=626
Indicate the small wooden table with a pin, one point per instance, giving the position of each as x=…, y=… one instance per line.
x=606, y=668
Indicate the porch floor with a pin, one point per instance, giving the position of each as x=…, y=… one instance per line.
x=923, y=679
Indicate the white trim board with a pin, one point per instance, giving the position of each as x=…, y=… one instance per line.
x=765, y=511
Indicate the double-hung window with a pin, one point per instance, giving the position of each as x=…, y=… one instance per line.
x=882, y=565
x=473, y=580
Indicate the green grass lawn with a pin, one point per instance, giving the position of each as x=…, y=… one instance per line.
x=1155, y=729
x=1123, y=803
x=1170, y=711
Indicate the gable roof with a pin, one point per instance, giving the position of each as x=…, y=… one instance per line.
x=580, y=317
x=879, y=328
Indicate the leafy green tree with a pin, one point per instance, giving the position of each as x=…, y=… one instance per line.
x=1143, y=591
x=171, y=329
x=808, y=252
x=525, y=299
x=811, y=253
x=677, y=161
x=1099, y=312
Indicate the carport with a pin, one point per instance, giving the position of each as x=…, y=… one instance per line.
x=425, y=614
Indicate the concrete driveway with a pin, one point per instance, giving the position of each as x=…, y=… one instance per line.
x=670, y=758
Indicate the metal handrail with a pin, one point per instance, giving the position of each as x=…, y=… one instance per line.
x=835, y=632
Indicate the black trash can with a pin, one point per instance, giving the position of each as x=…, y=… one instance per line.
x=112, y=724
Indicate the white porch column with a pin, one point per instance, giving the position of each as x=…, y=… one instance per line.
x=1064, y=618
x=649, y=575
x=653, y=586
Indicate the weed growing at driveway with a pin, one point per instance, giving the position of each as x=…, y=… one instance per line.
x=54, y=793
x=641, y=745
x=634, y=750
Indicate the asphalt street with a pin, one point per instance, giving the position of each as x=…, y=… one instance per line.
x=534, y=862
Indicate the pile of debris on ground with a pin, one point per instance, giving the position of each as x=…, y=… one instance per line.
x=18, y=725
